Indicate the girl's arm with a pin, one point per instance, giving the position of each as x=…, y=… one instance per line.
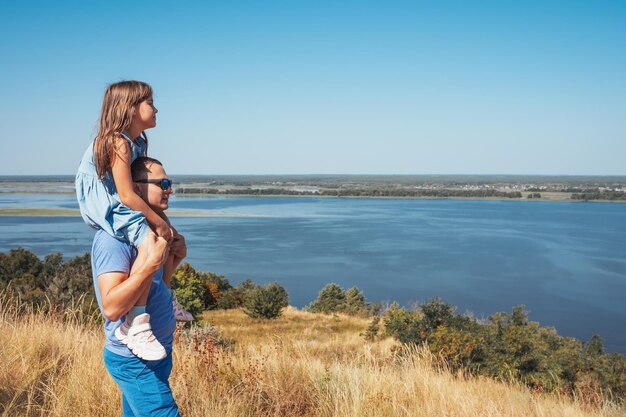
x=120, y=169
x=167, y=220
x=178, y=252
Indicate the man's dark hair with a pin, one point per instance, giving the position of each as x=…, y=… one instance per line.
x=140, y=167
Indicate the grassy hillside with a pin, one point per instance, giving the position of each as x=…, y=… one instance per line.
x=302, y=364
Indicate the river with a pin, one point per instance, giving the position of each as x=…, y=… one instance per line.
x=564, y=261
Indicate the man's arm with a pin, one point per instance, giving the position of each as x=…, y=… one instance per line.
x=120, y=291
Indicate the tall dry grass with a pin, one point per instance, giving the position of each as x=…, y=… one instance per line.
x=299, y=365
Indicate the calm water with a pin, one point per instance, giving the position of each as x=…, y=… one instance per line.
x=564, y=261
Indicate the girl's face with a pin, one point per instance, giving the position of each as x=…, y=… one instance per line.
x=145, y=114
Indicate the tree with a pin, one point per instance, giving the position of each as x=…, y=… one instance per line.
x=235, y=297
x=436, y=313
x=216, y=286
x=331, y=298
x=191, y=292
x=371, y=333
x=71, y=281
x=266, y=302
x=403, y=325
x=52, y=264
x=595, y=347
x=21, y=265
x=355, y=301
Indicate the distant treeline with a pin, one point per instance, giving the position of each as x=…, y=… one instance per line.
x=357, y=192
x=600, y=195
x=553, y=183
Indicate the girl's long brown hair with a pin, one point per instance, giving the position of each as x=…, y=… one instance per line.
x=118, y=108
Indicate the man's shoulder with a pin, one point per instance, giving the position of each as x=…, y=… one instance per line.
x=110, y=254
x=103, y=240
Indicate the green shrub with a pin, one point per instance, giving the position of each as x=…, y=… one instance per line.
x=20, y=272
x=191, y=292
x=198, y=291
x=266, y=302
x=216, y=286
x=334, y=299
x=355, y=301
x=371, y=333
x=512, y=348
x=331, y=298
x=51, y=284
x=21, y=265
x=205, y=339
x=236, y=296
x=230, y=299
x=69, y=282
x=435, y=313
x=403, y=325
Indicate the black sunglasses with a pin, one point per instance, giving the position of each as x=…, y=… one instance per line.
x=164, y=183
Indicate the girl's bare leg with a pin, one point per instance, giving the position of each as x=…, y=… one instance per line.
x=136, y=331
x=140, y=305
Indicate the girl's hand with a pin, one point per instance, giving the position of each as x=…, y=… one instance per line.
x=178, y=247
x=164, y=230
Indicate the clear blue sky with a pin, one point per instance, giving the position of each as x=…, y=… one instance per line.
x=304, y=87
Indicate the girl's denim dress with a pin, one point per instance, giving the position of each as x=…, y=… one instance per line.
x=99, y=203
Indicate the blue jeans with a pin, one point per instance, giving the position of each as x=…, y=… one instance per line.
x=144, y=384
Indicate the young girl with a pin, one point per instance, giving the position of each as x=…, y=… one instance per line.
x=106, y=198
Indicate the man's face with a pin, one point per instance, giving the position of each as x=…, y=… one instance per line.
x=151, y=193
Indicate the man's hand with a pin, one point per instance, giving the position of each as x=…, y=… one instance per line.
x=120, y=291
x=155, y=250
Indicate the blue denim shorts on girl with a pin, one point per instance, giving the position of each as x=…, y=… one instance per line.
x=99, y=203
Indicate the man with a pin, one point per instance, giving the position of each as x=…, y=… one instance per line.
x=121, y=275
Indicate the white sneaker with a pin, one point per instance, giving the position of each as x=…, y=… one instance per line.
x=139, y=338
x=122, y=332
x=180, y=314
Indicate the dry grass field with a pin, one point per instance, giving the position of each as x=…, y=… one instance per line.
x=299, y=365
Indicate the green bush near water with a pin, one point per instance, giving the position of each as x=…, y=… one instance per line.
x=266, y=302
x=512, y=348
x=334, y=299
x=51, y=283
x=198, y=291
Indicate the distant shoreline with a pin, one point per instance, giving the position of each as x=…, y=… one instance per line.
x=546, y=197
x=47, y=212
x=423, y=187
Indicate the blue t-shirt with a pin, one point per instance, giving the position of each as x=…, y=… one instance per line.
x=111, y=255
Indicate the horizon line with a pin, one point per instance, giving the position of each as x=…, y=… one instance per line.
x=351, y=174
